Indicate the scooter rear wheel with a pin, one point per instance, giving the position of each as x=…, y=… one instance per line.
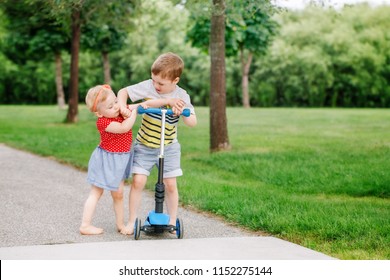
x=179, y=228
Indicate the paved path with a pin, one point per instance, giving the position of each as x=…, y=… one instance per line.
x=41, y=206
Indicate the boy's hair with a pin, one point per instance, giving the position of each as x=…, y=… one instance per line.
x=96, y=95
x=168, y=66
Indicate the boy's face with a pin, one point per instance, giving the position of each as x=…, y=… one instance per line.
x=163, y=86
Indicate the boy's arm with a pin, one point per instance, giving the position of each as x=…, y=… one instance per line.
x=156, y=103
x=123, y=127
x=190, y=121
x=177, y=105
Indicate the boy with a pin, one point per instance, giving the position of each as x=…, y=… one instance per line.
x=159, y=91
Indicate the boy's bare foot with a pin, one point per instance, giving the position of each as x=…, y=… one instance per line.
x=90, y=230
x=128, y=230
x=173, y=225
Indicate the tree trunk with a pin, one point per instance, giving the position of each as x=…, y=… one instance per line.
x=106, y=67
x=218, y=122
x=59, y=85
x=245, y=66
x=72, y=116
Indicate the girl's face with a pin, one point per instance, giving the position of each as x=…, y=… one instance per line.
x=164, y=86
x=109, y=108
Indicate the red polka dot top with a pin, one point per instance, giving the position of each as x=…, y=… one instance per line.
x=113, y=142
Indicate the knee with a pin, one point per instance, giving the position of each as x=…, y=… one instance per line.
x=96, y=192
x=138, y=184
x=118, y=195
x=170, y=188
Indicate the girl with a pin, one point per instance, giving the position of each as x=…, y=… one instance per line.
x=110, y=163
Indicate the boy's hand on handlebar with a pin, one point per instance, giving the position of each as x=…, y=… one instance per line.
x=176, y=111
x=133, y=107
x=177, y=105
x=177, y=102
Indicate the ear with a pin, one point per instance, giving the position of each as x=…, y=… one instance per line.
x=176, y=80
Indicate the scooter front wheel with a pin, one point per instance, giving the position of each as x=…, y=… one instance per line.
x=137, y=229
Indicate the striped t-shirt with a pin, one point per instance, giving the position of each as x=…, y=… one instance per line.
x=150, y=129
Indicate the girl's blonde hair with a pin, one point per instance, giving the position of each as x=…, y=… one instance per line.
x=168, y=66
x=96, y=95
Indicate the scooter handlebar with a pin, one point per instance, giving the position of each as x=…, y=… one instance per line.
x=141, y=110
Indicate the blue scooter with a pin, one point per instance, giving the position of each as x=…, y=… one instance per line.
x=157, y=221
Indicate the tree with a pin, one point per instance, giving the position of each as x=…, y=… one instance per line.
x=252, y=34
x=219, y=139
x=35, y=35
x=327, y=57
x=108, y=35
x=73, y=14
x=105, y=39
x=249, y=30
x=72, y=115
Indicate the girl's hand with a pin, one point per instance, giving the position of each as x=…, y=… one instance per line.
x=125, y=112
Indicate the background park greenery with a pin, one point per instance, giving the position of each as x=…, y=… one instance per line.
x=318, y=177
x=317, y=56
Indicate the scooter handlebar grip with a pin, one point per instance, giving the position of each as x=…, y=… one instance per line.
x=141, y=110
x=186, y=112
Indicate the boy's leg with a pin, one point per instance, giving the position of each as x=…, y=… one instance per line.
x=89, y=209
x=135, y=196
x=172, y=199
x=172, y=170
x=117, y=197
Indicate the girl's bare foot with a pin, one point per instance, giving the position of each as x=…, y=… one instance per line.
x=128, y=230
x=120, y=228
x=90, y=230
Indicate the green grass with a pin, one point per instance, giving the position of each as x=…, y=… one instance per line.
x=316, y=177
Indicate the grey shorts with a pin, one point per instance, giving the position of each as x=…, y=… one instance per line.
x=145, y=158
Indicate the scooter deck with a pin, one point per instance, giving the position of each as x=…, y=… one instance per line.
x=157, y=222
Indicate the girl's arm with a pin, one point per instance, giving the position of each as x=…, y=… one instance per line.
x=122, y=101
x=123, y=127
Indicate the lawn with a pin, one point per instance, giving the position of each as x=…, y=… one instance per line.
x=315, y=177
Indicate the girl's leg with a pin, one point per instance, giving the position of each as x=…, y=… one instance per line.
x=135, y=196
x=117, y=197
x=89, y=209
x=171, y=198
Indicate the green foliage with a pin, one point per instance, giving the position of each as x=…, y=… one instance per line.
x=32, y=35
x=103, y=38
x=248, y=26
x=327, y=58
x=31, y=83
x=320, y=57
x=106, y=24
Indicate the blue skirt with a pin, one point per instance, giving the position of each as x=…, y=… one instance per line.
x=106, y=170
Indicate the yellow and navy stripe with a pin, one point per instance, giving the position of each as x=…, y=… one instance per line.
x=150, y=130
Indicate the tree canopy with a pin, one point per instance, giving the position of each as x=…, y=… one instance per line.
x=318, y=57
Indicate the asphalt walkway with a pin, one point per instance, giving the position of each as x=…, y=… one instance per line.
x=41, y=207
